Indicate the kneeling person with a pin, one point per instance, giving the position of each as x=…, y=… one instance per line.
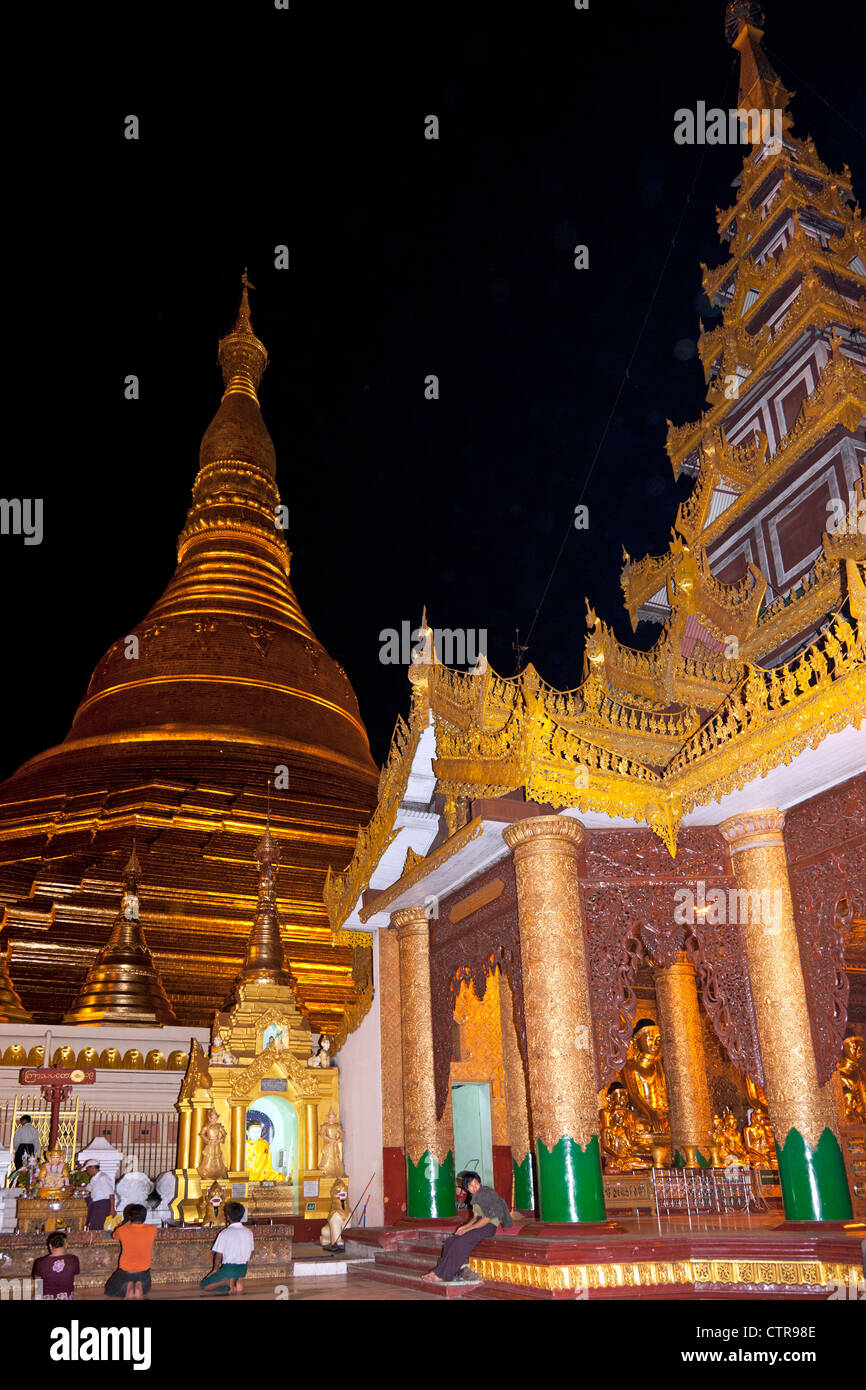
x=489, y=1211
x=231, y=1251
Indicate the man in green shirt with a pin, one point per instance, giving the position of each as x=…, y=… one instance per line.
x=489, y=1212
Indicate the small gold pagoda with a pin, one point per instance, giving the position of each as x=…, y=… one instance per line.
x=11, y=1008
x=123, y=984
x=258, y=1090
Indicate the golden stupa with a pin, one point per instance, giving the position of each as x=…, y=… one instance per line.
x=219, y=692
x=123, y=984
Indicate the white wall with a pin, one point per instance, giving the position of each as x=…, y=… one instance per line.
x=359, y=1061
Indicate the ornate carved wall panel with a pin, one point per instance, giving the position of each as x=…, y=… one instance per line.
x=825, y=840
x=628, y=912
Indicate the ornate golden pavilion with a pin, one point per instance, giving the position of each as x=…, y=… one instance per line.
x=220, y=690
x=256, y=1070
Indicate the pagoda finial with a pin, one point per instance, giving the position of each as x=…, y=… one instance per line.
x=243, y=357
x=761, y=89
x=132, y=872
x=265, y=959
x=123, y=983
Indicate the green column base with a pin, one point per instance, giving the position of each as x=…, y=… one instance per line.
x=524, y=1183
x=570, y=1185
x=430, y=1186
x=814, y=1183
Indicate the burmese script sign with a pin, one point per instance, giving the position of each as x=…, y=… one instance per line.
x=56, y=1076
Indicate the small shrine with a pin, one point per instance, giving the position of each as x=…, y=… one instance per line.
x=259, y=1112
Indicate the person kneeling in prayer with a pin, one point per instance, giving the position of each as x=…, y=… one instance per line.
x=489, y=1211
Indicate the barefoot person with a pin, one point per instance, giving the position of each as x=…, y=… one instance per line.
x=131, y=1279
x=488, y=1213
x=231, y=1252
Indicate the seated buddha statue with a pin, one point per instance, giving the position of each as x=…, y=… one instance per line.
x=758, y=1138
x=853, y=1079
x=257, y=1158
x=645, y=1078
x=727, y=1144
x=622, y=1146
x=53, y=1175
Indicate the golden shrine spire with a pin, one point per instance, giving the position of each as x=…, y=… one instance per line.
x=123, y=984
x=237, y=433
x=761, y=89
x=265, y=959
x=11, y=1008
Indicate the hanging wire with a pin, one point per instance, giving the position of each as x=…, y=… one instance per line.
x=625, y=376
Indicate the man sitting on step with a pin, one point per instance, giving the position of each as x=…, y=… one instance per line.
x=489, y=1211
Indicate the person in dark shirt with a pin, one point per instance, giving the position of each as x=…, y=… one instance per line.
x=57, y=1269
x=489, y=1212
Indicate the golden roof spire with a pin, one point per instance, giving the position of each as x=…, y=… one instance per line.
x=11, y=1008
x=123, y=984
x=761, y=89
x=265, y=959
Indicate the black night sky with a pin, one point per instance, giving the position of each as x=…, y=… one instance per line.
x=305, y=127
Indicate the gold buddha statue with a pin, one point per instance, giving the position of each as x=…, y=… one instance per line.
x=853, y=1079
x=213, y=1135
x=758, y=1138
x=727, y=1144
x=257, y=1157
x=622, y=1146
x=53, y=1174
x=644, y=1075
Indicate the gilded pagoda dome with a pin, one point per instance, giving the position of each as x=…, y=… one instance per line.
x=220, y=691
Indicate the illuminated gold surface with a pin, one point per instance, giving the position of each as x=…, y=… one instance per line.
x=220, y=690
x=420, y=1128
x=794, y=1097
x=11, y=1008
x=642, y=1274
x=481, y=1054
x=391, y=1043
x=559, y=1028
x=123, y=984
x=265, y=959
x=516, y=1106
x=683, y=1050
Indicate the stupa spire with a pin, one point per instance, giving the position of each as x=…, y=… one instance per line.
x=11, y=1008
x=242, y=356
x=265, y=959
x=761, y=88
x=123, y=984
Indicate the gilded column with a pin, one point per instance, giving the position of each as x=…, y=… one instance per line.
x=562, y=1086
x=238, y=1138
x=391, y=1044
x=522, y=1158
x=199, y=1119
x=802, y=1113
x=430, y=1187
x=183, y=1134
x=311, y=1135
x=684, y=1060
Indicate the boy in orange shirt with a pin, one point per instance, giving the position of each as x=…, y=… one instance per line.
x=131, y=1279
